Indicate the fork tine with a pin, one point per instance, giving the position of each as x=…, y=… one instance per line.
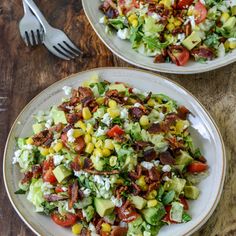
x=27, y=40
x=58, y=53
x=64, y=53
x=70, y=45
x=68, y=50
x=33, y=38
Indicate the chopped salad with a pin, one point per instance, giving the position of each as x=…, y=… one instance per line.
x=174, y=30
x=111, y=160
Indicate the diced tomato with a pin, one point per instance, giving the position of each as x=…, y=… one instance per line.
x=58, y=189
x=48, y=175
x=184, y=3
x=179, y=54
x=167, y=218
x=200, y=12
x=197, y=167
x=127, y=213
x=184, y=202
x=64, y=221
x=115, y=131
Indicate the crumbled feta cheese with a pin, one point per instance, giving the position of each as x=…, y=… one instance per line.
x=192, y=21
x=80, y=172
x=230, y=3
x=16, y=156
x=137, y=91
x=103, y=20
x=64, y=189
x=86, y=192
x=28, y=147
x=46, y=188
x=147, y=165
x=137, y=104
x=155, y=16
x=106, y=119
x=123, y=33
x=57, y=159
x=98, y=179
x=180, y=38
x=166, y=178
x=117, y=202
x=107, y=184
x=67, y=90
x=100, y=131
x=70, y=136
x=166, y=168
x=124, y=113
x=156, y=162
x=49, y=123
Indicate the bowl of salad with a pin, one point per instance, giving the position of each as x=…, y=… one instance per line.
x=184, y=36
x=117, y=152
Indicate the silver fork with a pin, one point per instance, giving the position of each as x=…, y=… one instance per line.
x=30, y=29
x=55, y=40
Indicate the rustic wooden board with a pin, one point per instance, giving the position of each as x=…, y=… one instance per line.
x=25, y=72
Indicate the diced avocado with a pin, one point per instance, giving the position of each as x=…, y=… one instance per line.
x=61, y=172
x=58, y=116
x=183, y=160
x=88, y=213
x=154, y=214
x=192, y=40
x=134, y=227
x=230, y=23
x=118, y=87
x=138, y=202
x=175, y=184
x=233, y=10
x=37, y=128
x=191, y=192
x=98, y=163
x=176, y=211
x=103, y=206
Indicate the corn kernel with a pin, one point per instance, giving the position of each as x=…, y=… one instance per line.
x=152, y=195
x=94, y=140
x=80, y=124
x=89, y=148
x=89, y=129
x=113, y=112
x=132, y=17
x=76, y=229
x=98, y=152
x=151, y=203
x=106, y=227
x=77, y=133
x=29, y=141
x=58, y=146
x=177, y=22
x=113, y=160
x=142, y=183
x=106, y=152
x=87, y=138
x=51, y=150
x=144, y=121
x=44, y=151
x=109, y=144
x=170, y=26
x=99, y=144
x=86, y=113
x=100, y=100
x=224, y=17
x=134, y=23
x=151, y=102
x=112, y=104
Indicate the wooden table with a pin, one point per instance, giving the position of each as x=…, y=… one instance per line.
x=25, y=72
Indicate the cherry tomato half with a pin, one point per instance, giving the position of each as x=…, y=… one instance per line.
x=127, y=213
x=197, y=167
x=200, y=12
x=184, y=3
x=184, y=202
x=48, y=175
x=178, y=54
x=64, y=221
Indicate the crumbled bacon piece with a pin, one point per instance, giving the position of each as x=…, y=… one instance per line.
x=45, y=138
x=166, y=158
x=153, y=186
x=54, y=197
x=136, y=174
x=119, y=231
x=149, y=155
x=88, y=164
x=136, y=113
x=74, y=194
x=155, y=128
x=84, y=92
x=175, y=144
x=80, y=144
x=115, y=95
x=140, y=145
x=27, y=177
x=120, y=190
x=182, y=112
x=136, y=189
x=73, y=118
x=37, y=171
x=154, y=174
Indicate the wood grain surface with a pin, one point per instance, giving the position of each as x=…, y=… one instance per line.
x=24, y=72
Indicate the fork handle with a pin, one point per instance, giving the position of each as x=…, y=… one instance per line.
x=38, y=14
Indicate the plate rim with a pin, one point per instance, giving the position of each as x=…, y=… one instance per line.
x=219, y=193
x=113, y=50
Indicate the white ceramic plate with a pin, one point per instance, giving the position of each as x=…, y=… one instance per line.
x=122, y=48
x=204, y=131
